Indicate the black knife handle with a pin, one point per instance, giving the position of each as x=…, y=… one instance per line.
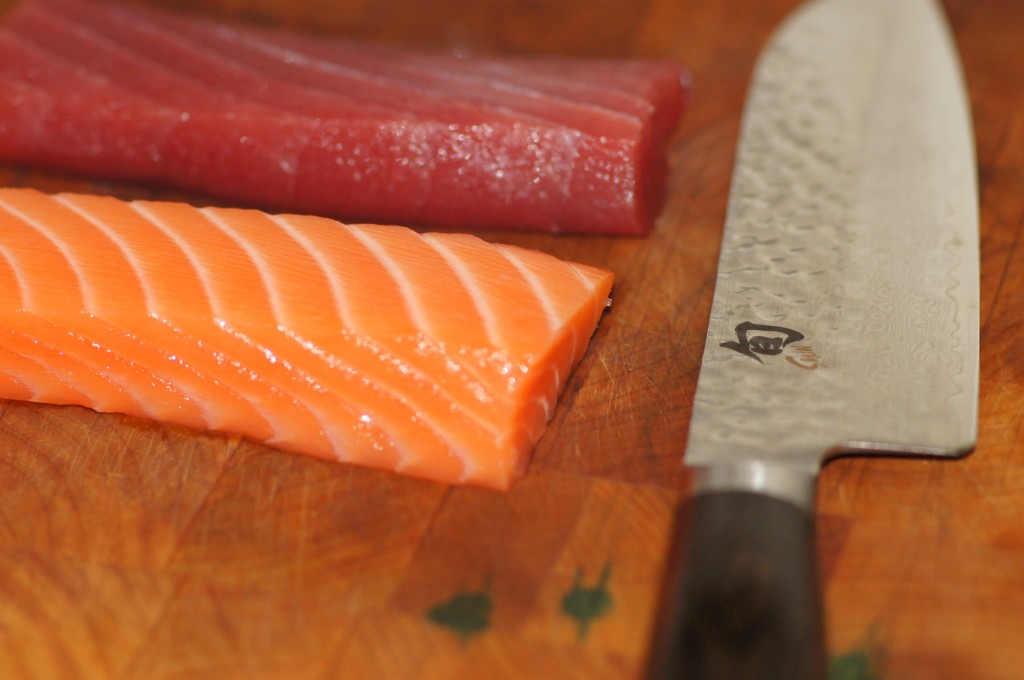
x=742, y=599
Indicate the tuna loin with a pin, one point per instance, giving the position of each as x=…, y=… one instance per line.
x=311, y=124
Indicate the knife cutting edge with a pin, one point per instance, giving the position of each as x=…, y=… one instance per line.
x=844, y=320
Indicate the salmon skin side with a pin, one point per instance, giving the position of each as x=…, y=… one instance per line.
x=433, y=355
x=295, y=123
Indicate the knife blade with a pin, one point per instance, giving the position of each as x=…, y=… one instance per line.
x=844, y=320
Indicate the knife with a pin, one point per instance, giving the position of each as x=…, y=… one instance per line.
x=844, y=321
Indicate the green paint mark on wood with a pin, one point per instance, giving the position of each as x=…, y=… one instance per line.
x=466, y=613
x=855, y=665
x=586, y=604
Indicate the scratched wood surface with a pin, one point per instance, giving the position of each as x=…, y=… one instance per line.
x=129, y=550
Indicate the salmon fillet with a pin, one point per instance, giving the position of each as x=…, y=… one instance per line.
x=433, y=355
x=299, y=123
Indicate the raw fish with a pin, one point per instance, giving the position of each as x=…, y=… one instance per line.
x=299, y=123
x=435, y=355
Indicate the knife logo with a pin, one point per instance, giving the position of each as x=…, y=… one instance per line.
x=754, y=339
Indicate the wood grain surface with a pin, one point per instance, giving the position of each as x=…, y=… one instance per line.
x=129, y=550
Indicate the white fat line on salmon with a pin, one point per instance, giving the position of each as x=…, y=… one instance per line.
x=100, y=356
x=472, y=288
x=544, y=403
x=398, y=394
x=222, y=324
x=258, y=259
x=408, y=371
x=412, y=303
x=128, y=404
x=340, y=434
x=200, y=344
x=464, y=364
x=588, y=283
x=69, y=201
x=197, y=383
x=540, y=292
x=333, y=281
x=283, y=432
x=19, y=275
x=535, y=285
x=548, y=404
x=55, y=391
x=188, y=252
x=332, y=363
x=88, y=295
x=461, y=359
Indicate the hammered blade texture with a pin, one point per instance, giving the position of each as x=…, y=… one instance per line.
x=845, y=313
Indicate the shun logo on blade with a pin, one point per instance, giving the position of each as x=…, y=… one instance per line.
x=757, y=340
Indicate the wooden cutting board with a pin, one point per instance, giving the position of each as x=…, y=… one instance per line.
x=129, y=550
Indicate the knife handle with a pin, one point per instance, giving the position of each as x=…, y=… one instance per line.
x=742, y=599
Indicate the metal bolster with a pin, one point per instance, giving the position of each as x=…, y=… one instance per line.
x=790, y=482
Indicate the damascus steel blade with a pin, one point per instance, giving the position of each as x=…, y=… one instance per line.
x=845, y=313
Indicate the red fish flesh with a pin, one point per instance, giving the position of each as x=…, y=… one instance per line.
x=308, y=124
